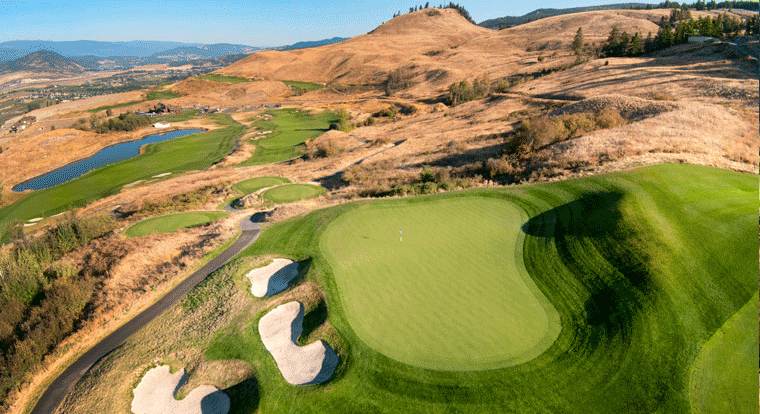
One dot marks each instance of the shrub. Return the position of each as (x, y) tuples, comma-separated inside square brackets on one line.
[(342, 123), (398, 79)]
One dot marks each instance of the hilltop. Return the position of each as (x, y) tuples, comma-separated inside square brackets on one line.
[(43, 61)]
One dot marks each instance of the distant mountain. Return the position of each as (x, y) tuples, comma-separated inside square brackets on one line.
[(187, 53), (306, 45), (95, 55), (137, 48), (509, 21), (43, 61), (10, 53)]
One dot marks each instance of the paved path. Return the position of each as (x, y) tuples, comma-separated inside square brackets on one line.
[(58, 389)]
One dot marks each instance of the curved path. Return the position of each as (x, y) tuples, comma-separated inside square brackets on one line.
[(58, 389)]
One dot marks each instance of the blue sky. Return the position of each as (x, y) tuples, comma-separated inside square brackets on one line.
[(254, 23)]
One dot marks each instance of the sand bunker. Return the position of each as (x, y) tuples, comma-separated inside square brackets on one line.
[(272, 279), (299, 365), (155, 395)]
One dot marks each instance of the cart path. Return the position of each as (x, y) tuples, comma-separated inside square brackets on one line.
[(57, 390)]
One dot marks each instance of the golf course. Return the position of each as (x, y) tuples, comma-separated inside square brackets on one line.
[(292, 192), (596, 294), (178, 155), (173, 222), (290, 128)]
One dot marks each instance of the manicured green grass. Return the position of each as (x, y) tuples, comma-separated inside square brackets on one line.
[(305, 86), (291, 128), (121, 105), (222, 78), (154, 95), (182, 116), (410, 296), (644, 267), (719, 380), (181, 154), (621, 257), (292, 192), (254, 184), (173, 222)]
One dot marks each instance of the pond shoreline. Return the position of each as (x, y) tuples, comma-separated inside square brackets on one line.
[(162, 132)]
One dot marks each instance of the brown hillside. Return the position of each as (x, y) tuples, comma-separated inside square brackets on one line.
[(367, 58), (441, 47)]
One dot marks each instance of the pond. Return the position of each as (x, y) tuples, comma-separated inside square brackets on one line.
[(108, 155)]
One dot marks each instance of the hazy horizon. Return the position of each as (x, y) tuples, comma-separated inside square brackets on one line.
[(258, 24)]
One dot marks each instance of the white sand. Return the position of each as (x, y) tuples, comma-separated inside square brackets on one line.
[(162, 175), (272, 279), (299, 365), (34, 220), (155, 395)]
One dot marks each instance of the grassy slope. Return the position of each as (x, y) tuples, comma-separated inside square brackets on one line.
[(173, 222), (622, 257), (292, 192), (291, 130), (191, 152), (452, 295), (254, 184), (719, 383), (307, 86), (222, 78)]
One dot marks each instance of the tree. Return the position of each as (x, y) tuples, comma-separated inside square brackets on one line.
[(637, 48), (578, 43), (109, 112)]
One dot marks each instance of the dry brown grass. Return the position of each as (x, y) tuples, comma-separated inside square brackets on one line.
[(151, 267)]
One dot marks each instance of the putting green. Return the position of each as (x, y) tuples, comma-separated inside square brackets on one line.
[(173, 222), (254, 184), (292, 192), (453, 294)]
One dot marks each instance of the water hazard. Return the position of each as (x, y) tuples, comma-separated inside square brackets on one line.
[(109, 155)]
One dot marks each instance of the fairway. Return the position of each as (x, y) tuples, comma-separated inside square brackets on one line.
[(453, 295), (292, 192), (254, 184), (290, 129), (173, 222), (178, 155)]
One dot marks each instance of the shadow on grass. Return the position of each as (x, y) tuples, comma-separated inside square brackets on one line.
[(244, 397), (619, 286)]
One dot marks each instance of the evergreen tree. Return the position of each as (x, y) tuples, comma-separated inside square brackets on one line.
[(577, 44), (637, 48)]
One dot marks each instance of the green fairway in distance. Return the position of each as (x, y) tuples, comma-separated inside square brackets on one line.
[(173, 222), (254, 184), (181, 154), (222, 78), (290, 129), (292, 192), (453, 294)]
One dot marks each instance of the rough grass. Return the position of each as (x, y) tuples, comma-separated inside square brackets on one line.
[(190, 152), (292, 192), (222, 78), (291, 128), (254, 184), (303, 86), (121, 105), (411, 296), (155, 95), (621, 257), (173, 222)]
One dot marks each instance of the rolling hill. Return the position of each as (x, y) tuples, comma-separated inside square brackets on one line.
[(43, 61)]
